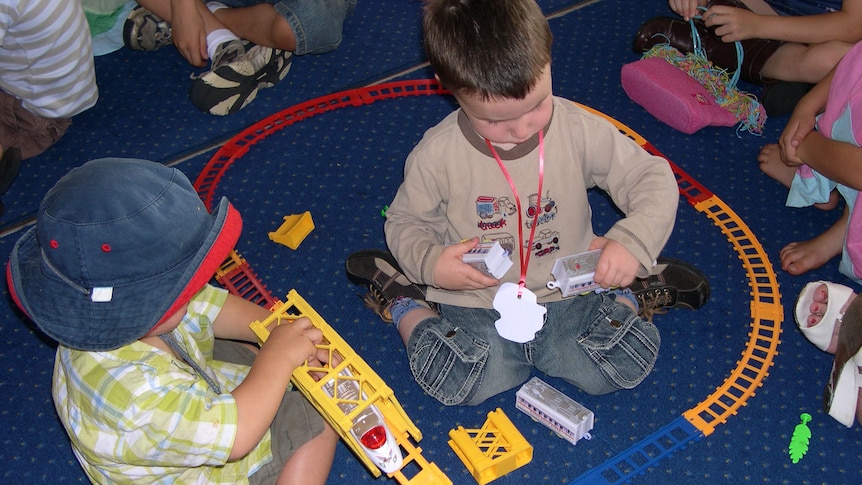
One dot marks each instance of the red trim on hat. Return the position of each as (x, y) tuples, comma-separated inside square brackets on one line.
[(224, 243), (11, 286)]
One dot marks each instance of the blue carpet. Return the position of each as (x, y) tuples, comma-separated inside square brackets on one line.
[(345, 166)]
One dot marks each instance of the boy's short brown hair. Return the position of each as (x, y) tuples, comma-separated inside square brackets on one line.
[(490, 48)]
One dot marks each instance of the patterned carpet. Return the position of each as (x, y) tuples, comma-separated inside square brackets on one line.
[(345, 166)]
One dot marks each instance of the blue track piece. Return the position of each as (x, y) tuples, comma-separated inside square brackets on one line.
[(643, 455)]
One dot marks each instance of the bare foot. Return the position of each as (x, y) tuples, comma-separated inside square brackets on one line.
[(771, 164), (833, 201), (799, 257)]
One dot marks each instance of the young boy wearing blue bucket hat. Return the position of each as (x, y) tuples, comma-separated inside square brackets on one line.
[(150, 380)]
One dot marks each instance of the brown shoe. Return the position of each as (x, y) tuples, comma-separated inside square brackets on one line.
[(677, 285), (378, 271), (677, 33)]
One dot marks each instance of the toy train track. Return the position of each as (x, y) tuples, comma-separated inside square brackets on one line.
[(767, 313), (239, 145), (759, 354)]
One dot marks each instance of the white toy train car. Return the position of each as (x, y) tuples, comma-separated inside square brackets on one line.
[(562, 414)]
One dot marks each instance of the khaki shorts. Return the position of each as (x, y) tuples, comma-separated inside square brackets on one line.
[(295, 423)]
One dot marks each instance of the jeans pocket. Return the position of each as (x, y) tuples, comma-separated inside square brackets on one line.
[(446, 362), (624, 346)]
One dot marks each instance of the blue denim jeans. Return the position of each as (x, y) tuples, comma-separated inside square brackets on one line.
[(591, 341), (804, 7), (317, 24)]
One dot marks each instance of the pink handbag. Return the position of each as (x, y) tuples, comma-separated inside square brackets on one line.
[(686, 92), (673, 96)]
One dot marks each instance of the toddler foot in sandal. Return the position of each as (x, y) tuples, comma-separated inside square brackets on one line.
[(820, 310)]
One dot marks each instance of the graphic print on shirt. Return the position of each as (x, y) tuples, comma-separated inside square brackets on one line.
[(546, 207), (545, 241), (493, 211), (506, 240)]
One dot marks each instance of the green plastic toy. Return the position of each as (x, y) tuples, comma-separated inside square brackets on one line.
[(799, 441)]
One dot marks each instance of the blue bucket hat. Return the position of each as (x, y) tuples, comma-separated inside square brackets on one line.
[(119, 246)]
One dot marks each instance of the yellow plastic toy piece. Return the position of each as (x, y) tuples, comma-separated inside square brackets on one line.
[(492, 451), (310, 380), (293, 230)]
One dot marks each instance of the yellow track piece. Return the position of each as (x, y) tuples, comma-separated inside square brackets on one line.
[(493, 450)]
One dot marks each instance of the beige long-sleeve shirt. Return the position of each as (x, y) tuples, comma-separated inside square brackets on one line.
[(453, 189)]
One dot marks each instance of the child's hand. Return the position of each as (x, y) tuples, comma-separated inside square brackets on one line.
[(686, 8), (293, 343), (730, 23), (189, 33), (617, 267), (798, 127), (452, 273), (258, 396)]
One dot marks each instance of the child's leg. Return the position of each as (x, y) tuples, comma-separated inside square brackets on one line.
[(799, 257), (259, 24), (296, 26), (804, 63), (297, 422), (195, 50), (459, 358), (771, 164), (163, 10), (303, 445), (412, 318), (597, 343), (312, 461)]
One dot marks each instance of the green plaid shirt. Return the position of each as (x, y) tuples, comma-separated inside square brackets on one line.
[(136, 415)]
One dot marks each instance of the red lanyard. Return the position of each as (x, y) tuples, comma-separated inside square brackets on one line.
[(523, 256)]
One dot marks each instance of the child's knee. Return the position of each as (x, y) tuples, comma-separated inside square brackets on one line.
[(821, 58), (317, 26), (624, 347), (448, 363)]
